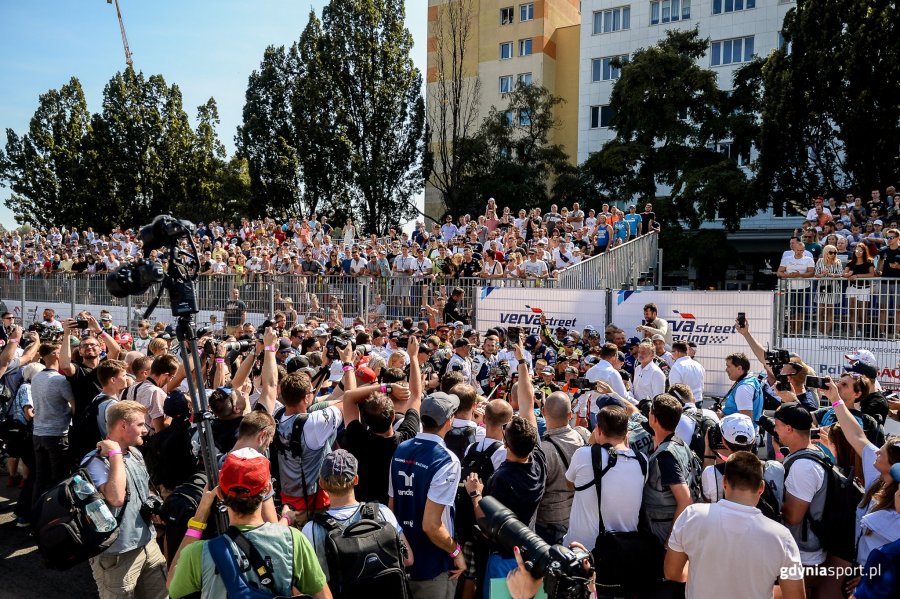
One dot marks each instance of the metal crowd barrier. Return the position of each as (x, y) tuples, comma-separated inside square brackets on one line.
[(864, 309), (626, 264)]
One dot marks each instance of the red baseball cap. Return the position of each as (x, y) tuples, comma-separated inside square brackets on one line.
[(125, 338), (365, 375), (245, 473)]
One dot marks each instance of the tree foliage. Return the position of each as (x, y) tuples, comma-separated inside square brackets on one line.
[(512, 155), (671, 122), (137, 157), (831, 118)]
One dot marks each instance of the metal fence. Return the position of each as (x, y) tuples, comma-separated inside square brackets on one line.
[(629, 263)]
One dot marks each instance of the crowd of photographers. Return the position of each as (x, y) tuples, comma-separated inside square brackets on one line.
[(495, 462)]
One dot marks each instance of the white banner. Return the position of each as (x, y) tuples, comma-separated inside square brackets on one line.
[(704, 317), (826, 356), (573, 309)]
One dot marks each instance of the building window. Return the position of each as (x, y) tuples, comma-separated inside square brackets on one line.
[(506, 50), (508, 117), (601, 117), (506, 15), (614, 19), (506, 83), (526, 12), (523, 79), (723, 6), (668, 11), (783, 44), (732, 51), (505, 152), (728, 149), (524, 118), (525, 47), (603, 70)]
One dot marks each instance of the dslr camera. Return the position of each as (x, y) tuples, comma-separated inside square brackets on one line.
[(46, 333), (562, 569)]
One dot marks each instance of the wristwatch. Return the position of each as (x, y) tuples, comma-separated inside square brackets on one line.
[(474, 494)]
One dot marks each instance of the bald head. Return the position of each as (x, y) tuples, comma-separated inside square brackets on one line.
[(497, 413), (132, 356), (557, 407)]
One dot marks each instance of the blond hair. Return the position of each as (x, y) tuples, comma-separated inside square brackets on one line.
[(123, 411)]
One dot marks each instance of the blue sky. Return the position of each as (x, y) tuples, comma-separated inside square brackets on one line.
[(207, 47)]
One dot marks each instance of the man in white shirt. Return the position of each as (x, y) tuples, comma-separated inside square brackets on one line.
[(621, 506), (649, 380), (604, 370), (687, 370), (733, 536), (654, 325), (798, 268), (533, 268)]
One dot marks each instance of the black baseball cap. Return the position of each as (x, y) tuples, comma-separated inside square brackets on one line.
[(794, 415)]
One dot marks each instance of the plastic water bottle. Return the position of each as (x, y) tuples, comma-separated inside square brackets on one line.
[(97, 510)]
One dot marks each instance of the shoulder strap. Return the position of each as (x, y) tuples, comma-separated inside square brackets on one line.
[(371, 511), (492, 449), (562, 455), (596, 459), (262, 567)]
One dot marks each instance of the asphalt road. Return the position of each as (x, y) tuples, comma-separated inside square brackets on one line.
[(22, 574)]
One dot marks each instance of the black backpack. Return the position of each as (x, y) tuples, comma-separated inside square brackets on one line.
[(364, 558), (768, 503), (458, 439), (704, 424), (65, 535), (294, 446), (836, 529), (480, 463), (85, 433)]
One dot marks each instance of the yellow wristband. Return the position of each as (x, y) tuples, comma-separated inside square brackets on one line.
[(196, 525)]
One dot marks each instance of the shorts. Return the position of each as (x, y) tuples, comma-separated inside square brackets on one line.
[(860, 294)]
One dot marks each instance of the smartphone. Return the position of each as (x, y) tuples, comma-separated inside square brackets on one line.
[(742, 320), (82, 323), (817, 382), (513, 335), (814, 434)]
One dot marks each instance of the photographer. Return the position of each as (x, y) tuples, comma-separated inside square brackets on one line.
[(519, 482), (82, 377), (522, 585)]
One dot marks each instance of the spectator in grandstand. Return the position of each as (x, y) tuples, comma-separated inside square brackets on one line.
[(797, 267), (889, 270), (829, 271)]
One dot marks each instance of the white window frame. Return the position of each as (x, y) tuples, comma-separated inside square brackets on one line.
[(611, 20), (512, 15), (729, 6), (521, 79), (526, 44), (605, 67), (509, 80), (725, 47), (669, 11), (725, 147), (526, 12), (509, 46), (598, 111)]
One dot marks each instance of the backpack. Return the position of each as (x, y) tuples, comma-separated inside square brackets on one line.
[(458, 439), (836, 530), (65, 535), (85, 433), (235, 583), (626, 563), (480, 463), (179, 507), (294, 446), (364, 558), (703, 425), (773, 493)]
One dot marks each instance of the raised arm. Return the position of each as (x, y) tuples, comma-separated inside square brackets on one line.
[(849, 426), (415, 374), (66, 366), (525, 388), (755, 347)]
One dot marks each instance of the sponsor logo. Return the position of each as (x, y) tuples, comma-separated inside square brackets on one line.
[(407, 478), (687, 327), (530, 320)]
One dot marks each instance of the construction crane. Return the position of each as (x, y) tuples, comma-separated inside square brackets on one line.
[(128, 59)]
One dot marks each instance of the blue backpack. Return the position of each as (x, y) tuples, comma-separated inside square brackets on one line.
[(235, 582)]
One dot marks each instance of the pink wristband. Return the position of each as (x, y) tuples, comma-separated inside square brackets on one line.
[(383, 388), (347, 368), (220, 360), (114, 452), (193, 533), (270, 348), (839, 402)]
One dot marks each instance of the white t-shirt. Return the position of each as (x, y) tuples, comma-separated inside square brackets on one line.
[(623, 489), (689, 372), (793, 264), (805, 478), (346, 512), (538, 268), (728, 536), (499, 455), (649, 381)]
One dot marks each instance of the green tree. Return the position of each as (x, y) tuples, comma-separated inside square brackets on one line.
[(672, 125), (831, 118), (45, 168), (378, 102), (267, 138), (511, 156)]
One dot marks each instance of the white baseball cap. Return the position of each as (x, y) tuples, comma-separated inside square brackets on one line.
[(864, 356), (738, 429)]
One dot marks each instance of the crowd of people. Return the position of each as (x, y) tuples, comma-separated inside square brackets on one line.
[(829, 264), (397, 438)]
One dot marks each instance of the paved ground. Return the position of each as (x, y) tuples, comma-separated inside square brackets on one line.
[(22, 574)]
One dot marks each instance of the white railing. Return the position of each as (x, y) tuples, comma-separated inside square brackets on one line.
[(624, 264)]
